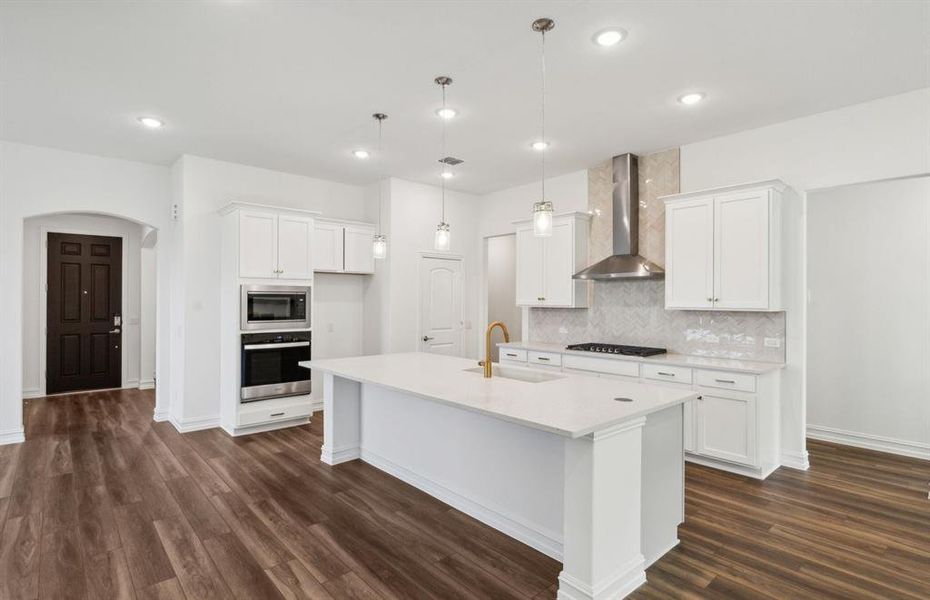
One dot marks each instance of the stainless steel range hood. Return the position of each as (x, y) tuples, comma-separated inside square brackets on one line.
[(626, 263)]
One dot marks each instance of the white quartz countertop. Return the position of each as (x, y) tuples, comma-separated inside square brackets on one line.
[(572, 406), (679, 360)]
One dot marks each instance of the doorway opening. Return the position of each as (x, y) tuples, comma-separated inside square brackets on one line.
[(88, 304), (501, 299)]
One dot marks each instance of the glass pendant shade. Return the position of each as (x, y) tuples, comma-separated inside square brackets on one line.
[(379, 246), (443, 239), (542, 218)]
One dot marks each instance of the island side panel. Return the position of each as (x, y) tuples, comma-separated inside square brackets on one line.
[(602, 551), (663, 481), (506, 475), (342, 399)]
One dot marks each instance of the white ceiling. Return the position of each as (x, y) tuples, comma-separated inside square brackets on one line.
[(291, 85)]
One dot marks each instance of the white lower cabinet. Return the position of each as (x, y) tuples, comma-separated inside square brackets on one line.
[(726, 426), (733, 425)]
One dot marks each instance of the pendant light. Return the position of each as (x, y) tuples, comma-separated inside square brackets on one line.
[(443, 240), (379, 242), (542, 208)]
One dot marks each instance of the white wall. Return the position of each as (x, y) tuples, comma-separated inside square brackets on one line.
[(498, 210), (869, 314), (501, 268), (338, 318), (206, 185), (882, 139), (34, 297), (36, 181), (414, 214)]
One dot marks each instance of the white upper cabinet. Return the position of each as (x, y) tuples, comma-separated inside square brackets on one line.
[(258, 244), (327, 246), (359, 257), (344, 247), (722, 249), (295, 247), (272, 244), (545, 265)]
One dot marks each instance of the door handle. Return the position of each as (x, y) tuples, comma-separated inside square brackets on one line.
[(114, 330), (426, 338)]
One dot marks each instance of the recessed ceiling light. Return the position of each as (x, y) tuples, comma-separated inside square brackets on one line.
[(447, 174), (151, 122), (360, 153), (692, 98), (539, 145), (609, 37), (446, 113)]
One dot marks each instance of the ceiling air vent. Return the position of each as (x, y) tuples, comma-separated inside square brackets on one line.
[(451, 161)]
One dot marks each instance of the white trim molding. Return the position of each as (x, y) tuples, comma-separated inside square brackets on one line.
[(160, 416), (620, 584), (547, 542), (147, 384), (795, 460), (31, 393), (15, 435), (870, 441), (195, 423)]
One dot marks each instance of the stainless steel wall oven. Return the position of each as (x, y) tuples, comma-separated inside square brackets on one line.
[(269, 365)]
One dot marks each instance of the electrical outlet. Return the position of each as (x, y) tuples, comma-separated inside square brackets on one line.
[(772, 342)]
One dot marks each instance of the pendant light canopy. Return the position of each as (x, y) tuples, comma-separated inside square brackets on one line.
[(443, 237), (379, 242), (542, 208)]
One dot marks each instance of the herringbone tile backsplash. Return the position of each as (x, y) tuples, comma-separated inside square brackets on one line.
[(633, 312)]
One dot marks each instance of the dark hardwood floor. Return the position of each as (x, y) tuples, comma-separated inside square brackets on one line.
[(102, 503)]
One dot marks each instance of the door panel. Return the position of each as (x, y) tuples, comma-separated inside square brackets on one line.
[(741, 270), (295, 246), (258, 245), (358, 253), (559, 265), (327, 247), (530, 290), (689, 254), (84, 298), (727, 427), (441, 306)]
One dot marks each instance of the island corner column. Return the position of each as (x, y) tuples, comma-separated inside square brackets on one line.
[(602, 540), (342, 412)]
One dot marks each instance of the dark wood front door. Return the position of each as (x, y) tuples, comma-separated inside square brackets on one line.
[(84, 317)]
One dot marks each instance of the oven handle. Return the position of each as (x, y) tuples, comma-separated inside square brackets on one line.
[(272, 346)]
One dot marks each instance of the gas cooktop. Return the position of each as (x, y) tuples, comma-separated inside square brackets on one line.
[(616, 349)]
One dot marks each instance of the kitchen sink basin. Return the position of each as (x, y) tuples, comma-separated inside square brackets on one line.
[(527, 375)]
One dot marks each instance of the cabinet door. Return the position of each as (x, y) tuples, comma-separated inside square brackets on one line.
[(258, 244), (741, 250), (726, 427), (558, 265), (327, 247), (530, 291), (295, 247), (689, 254), (358, 253)]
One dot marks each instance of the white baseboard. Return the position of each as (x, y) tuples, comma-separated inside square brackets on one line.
[(618, 585), (32, 393), (238, 431), (316, 406), (544, 541), (869, 441), (194, 424), (755, 473), (160, 415), (15, 435), (337, 457), (795, 460), (147, 384)]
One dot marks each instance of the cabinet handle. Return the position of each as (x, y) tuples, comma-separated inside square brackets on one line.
[(666, 374), (724, 381), (511, 355), (710, 299), (542, 358), (715, 299), (540, 298), (280, 414)]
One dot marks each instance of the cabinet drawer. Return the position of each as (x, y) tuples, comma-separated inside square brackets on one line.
[(666, 373), (545, 358), (729, 381), (259, 415), (601, 365), (512, 354)]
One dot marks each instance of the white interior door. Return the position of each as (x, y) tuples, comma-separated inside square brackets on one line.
[(441, 305)]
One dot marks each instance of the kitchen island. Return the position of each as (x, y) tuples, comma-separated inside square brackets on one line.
[(587, 470)]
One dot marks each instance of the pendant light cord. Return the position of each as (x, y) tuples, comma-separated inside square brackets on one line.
[(380, 172), (442, 160), (543, 114)]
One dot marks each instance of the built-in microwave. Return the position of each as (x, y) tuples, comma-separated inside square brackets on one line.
[(274, 307)]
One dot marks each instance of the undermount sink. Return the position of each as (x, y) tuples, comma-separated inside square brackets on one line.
[(527, 375)]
